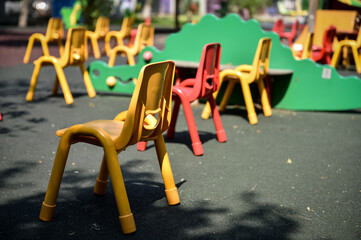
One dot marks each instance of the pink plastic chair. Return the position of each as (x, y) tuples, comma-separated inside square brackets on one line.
[(323, 54), (202, 86)]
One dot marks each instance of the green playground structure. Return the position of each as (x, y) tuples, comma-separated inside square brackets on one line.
[(304, 86)]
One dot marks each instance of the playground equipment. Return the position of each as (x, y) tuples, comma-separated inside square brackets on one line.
[(101, 29), (75, 54), (54, 33), (151, 97), (296, 84), (144, 37), (124, 32), (245, 75), (354, 46), (323, 54), (186, 91)]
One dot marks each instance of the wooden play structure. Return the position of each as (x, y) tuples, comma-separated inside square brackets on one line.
[(296, 84)]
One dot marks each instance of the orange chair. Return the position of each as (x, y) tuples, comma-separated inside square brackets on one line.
[(124, 32), (202, 86), (54, 33), (323, 54), (144, 37), (101, 29), (247, 74), (148, 116), (75, 54), (355, 47)]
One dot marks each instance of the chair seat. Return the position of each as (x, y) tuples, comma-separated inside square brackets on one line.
[(112, 127)]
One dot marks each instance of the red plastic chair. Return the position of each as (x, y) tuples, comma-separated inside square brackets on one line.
[(202, 86), (278, 27), (290, 36), (323, 54)]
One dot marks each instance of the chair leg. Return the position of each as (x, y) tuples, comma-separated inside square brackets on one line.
[(33, 82), (48, 206), (264, 98), (95, 47), (171, 128), (336, 57), (63, 83), (196, 142), (87, 81), (28, 50), (55, 86), (356, 58), (125, 215), (227, 95), (252, 117), (141, 146), (170, 188), (221, 134), (102, 179)]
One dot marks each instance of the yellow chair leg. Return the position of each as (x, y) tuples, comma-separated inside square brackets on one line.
[(125, 216), (87, 81), (336, 57), (34, 80), (48, 206), (356, 58), (55, 87), (102, 179), (227, 95), (63, 83), (170, 188), (95, 47), (252, 117), (264, 98), (28, 50)]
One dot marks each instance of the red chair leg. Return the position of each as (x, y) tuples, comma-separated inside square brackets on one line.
[(171, 128), (221, 134)]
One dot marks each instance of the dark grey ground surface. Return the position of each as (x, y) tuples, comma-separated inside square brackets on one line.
[(295, 175)]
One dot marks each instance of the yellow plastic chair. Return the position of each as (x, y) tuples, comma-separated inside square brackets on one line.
[(148, 116), (75, 54), (125, 30), (247, 74), (144, 37), (355, 47), (101, 29), (54, 33)]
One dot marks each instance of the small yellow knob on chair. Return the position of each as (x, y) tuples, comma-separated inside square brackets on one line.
[(111, 81)]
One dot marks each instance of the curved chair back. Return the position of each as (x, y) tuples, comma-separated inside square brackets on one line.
[(102, 26), (151, 103), (207, 77), (127, 26), (358, 39), (54, 30), (75, 47), (144, 37), (261, 59), (278, 27)]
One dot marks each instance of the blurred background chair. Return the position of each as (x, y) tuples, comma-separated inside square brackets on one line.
[(101, 29), (75, 54), (245, 75), (147, 117), (54, 33), (323, 54), (354, 45), (144, 37), (123, 33)]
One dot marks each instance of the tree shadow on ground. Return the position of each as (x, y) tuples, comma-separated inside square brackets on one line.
[(82, 215)]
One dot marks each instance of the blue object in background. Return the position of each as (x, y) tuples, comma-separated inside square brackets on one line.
[(58, 4)]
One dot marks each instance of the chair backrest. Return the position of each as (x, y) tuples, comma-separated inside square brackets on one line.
[(75, 47), (207, 77), (144, 37), (294, 28), (278, 26), (55, 29), (102, 26), (358, 39), (127, 26), (328, 38), (261, 58), (152, 98)]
